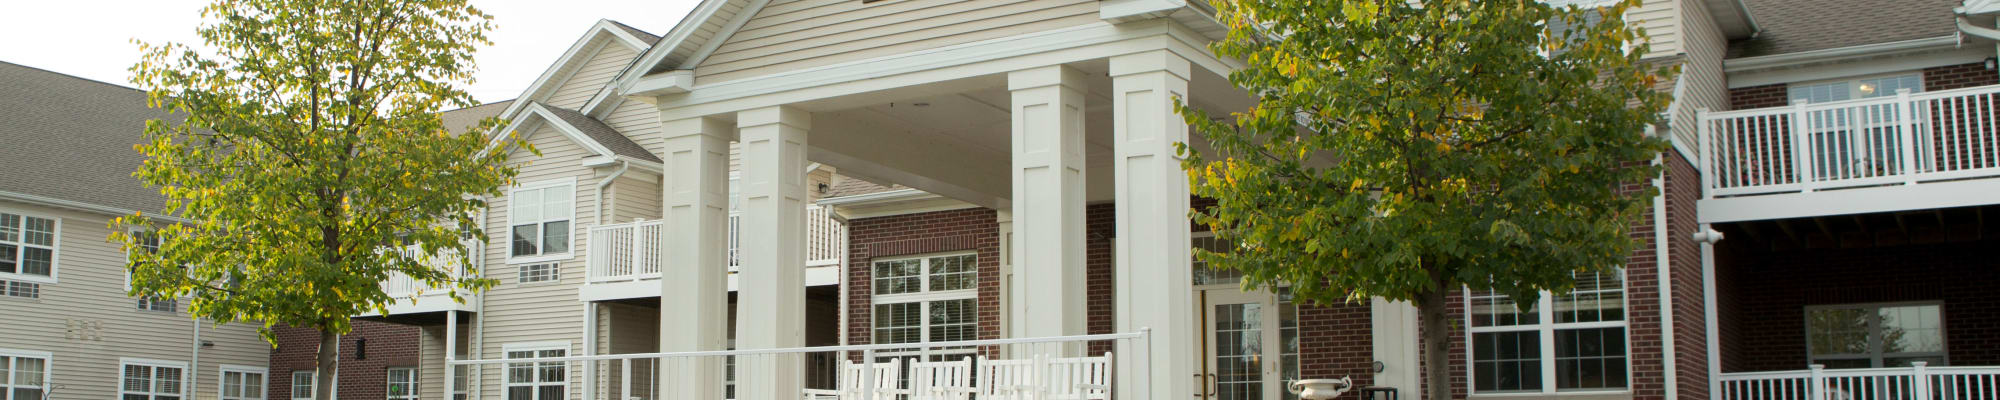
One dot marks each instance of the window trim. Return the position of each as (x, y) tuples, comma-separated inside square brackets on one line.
[(48, 368), (187, 389), (415, 383), (144, 303), (923, 297), (1854, 87), (1545, 328), (55, 249), (507, 233), (223, 370), (535, 346), (1875, 355)]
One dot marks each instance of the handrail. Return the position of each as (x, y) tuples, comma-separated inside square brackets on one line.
[(1903, 139), (630, 251), (1142, 333)]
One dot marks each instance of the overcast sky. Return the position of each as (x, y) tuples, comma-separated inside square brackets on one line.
[(93, 38)]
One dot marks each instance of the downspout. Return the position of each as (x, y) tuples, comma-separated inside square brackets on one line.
[(194, 362), (590, 309), (472, 387), (1664, 264), (622, 166), (1707, 236)]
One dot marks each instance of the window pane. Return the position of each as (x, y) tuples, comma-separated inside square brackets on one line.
[(40, 232), (898, 276), (1911, 329), (10, 228), (1507, 361), (1203, 275), (8, 256), (556, 202), (6, 364), (527, 206), (953, 320), (898, 323), (28, 371), (524, 239), (1887, 86), (37, 261), (232, 384), (168, 379), (953, 273), (1597, 297), (1837, 331), (1590, 358), (1495, 309), (138, 378), (555, 237)]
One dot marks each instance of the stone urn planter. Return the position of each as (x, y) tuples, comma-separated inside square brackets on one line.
[(1318, 389)]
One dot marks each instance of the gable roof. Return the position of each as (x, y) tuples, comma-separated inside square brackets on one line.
[(1792, 26), (69, 140), (592, 134), (459, 120), (604, 30), (693, 39), (603, 134)]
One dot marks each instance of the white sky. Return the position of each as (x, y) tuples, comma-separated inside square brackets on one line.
[(93, 38)]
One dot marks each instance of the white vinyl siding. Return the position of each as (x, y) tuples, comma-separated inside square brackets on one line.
[(542, 221), (28, 246), (150, 243), (801, 34), (1575, 342)]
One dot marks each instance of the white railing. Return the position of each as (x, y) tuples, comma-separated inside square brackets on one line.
[(626, 252), (400, 285), (1917, 382), (631, 251), (1066, 367), (1908, 138)]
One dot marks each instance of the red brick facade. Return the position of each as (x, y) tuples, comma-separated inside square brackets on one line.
[(1690, 334), (977, 230), (1757, 97), (388, 345)]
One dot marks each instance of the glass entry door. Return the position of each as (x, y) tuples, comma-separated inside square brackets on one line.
[(1250, 348)]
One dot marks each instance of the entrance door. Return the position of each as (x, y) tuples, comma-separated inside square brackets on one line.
[(1250, 345)]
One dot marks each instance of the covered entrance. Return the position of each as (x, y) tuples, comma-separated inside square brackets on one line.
[(1249, 347)]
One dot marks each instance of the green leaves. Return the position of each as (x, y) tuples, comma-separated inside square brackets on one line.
[(1401, 150), (305, 155)]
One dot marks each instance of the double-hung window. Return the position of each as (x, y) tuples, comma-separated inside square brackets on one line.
[(149, 242), (1875, 335), (926, 299), (28, 247), (402, 383), (1855, 142), (303, 384), (150, 379), (537, 380), (540, 216), (242, 383), (458, 380), (1575, 342), (24, 375)]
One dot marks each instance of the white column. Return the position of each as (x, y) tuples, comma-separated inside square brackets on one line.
[(1048, 250), (1153, 278), (771, 287), (1391, 323), (694, 304)]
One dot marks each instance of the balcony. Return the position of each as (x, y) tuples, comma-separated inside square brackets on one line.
[(624, 259), (413, 297), (1892, 153), (1906, 383)]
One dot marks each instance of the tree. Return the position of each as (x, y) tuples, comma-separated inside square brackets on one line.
[(304, 155), (1406, 149)]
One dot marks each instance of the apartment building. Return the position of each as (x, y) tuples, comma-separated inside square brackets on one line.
[(67, 328)]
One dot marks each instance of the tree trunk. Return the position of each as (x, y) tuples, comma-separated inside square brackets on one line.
[(328, 359), (1437, 344)]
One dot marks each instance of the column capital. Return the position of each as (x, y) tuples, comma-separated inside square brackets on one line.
[(1151, 61), (781, 115), (699, 126), (1048, 75)]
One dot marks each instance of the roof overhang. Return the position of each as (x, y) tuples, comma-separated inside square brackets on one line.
[(690, 41), (533, 115), (1850, 53), (893, 202), (1732, 17)]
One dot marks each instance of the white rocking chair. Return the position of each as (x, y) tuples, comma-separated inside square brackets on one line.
[(1010, 379), (941, 380), (850, 385), (1080, 378)]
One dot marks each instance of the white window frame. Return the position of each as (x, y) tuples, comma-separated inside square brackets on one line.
[(460, 381), (924, 296), (412, 393), (187, 389), (221, 379), (1854, 85), (506, 386), (513, 218), (1546, 327), (48, 370), (1875, 355), (312, 385), (144, 303), (21, 249)]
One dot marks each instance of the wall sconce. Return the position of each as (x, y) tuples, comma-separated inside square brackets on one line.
[(1381, 366), (361, 349)]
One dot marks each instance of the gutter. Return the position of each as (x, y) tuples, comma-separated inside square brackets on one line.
[(877, 197), (599, 207), (1664, 265), (1873, 50), (76, 205)]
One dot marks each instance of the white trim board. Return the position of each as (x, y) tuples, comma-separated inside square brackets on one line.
[(1849, 201), (1747, 74)]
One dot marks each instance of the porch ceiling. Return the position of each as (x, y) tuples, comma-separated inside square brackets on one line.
[(1868, 230)]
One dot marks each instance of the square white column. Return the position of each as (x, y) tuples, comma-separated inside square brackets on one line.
[(770, 307), (1153, 282), (1048, 249), (694, 303)]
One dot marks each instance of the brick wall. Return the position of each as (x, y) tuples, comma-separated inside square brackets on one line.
[(1684, 263), (1771, 289), (1959, 76), (1757, 97), (932, 232), (389, 345)]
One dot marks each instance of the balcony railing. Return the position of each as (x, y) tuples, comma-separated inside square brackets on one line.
[(1917, 382), (1908, 138), (399, 285), (1024, 368), (632, 251)]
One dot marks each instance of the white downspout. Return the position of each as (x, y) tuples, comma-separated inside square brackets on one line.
[(1664, 265), (1707, 237), (194, 363), (622, 166), (472, 386)]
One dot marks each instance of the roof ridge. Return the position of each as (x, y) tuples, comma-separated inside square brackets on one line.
[(66, 75)]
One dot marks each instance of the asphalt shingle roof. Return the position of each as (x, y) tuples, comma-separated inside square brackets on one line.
[(72, 139), (603, 134), (851, 186), (465, 118), (649, 38), (1791, 26)]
